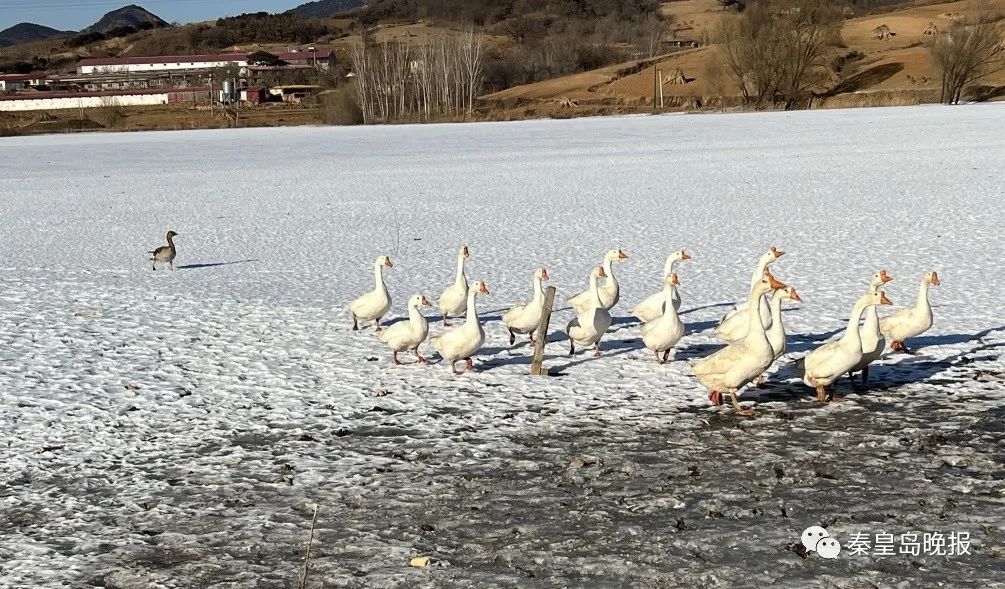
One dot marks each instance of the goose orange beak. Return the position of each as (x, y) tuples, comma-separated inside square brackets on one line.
[(777, 252), (465, 252), (388, 263), (544, 274), (426, 302), (601, 274), (684, 256), (795, 296), (775, 284), (884, 276), (883, 300), (674, 279), (935, 279), (622, 255), (484, 289)]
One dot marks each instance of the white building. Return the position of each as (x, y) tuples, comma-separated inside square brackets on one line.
[(109, 65), (16, 82), (65, 100)]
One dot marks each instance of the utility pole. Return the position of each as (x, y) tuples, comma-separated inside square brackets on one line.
[(656, 80)]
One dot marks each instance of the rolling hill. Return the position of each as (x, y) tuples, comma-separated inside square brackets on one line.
[(325, 8), (133, 16), (27, 32)]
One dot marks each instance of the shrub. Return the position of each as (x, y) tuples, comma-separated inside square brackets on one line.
[(339, 107)]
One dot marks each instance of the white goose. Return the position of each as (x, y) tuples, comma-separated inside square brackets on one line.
[(525, 319), (463, 341), (912, 321), (454, 298), (610, 292), (733, 367), (827, 363), (652, 308), (663, 333), (374, 304), (590, 326), (408, 335), (873, 341), (776, 333), (733, 326)]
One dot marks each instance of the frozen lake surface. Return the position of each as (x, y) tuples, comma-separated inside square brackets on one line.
[(165, 429)]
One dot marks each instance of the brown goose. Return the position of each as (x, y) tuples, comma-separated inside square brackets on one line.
[(165, 253)]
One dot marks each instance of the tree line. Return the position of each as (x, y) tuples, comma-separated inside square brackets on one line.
[(396, 81)]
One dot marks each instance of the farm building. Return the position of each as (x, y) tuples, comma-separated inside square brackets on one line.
[(64, 100), (253, 95), (108, 65), (319, 58), (16, 82), (294, 93)]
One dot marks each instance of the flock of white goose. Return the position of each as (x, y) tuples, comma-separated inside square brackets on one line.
[(753, 331)]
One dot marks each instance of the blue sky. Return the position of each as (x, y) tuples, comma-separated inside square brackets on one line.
[(77, 14)]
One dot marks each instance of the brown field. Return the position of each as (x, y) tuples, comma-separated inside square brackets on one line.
[(896, 70), (152, 118)]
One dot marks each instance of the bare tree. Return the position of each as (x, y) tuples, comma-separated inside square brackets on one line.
[(396, 81), (775, 51), (810, 25), (470, 49), (361, 78), (752, 49), (651, 30), (970, 50)]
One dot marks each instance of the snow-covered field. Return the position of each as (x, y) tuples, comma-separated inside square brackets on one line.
[(176, 429)]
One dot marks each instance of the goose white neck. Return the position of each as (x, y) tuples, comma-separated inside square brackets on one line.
[(538, 291), (460, 269), (378, 277), (472, 316), (668, 308), (414, 315), (609, 268), (922, 302), (668, 268), (754, 324), (851, 333), (776, 307), (762, 265), (595, 290)]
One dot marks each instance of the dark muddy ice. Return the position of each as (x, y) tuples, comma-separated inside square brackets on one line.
[(627, 495)]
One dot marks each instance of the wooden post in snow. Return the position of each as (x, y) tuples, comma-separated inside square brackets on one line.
[(659, 77), (542, 334), (656, 81)]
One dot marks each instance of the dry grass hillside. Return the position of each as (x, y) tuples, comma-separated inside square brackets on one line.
[(895, 68)]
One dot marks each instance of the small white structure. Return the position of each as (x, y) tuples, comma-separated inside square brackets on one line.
[(63, 100), (108, 65), (15, 82)]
